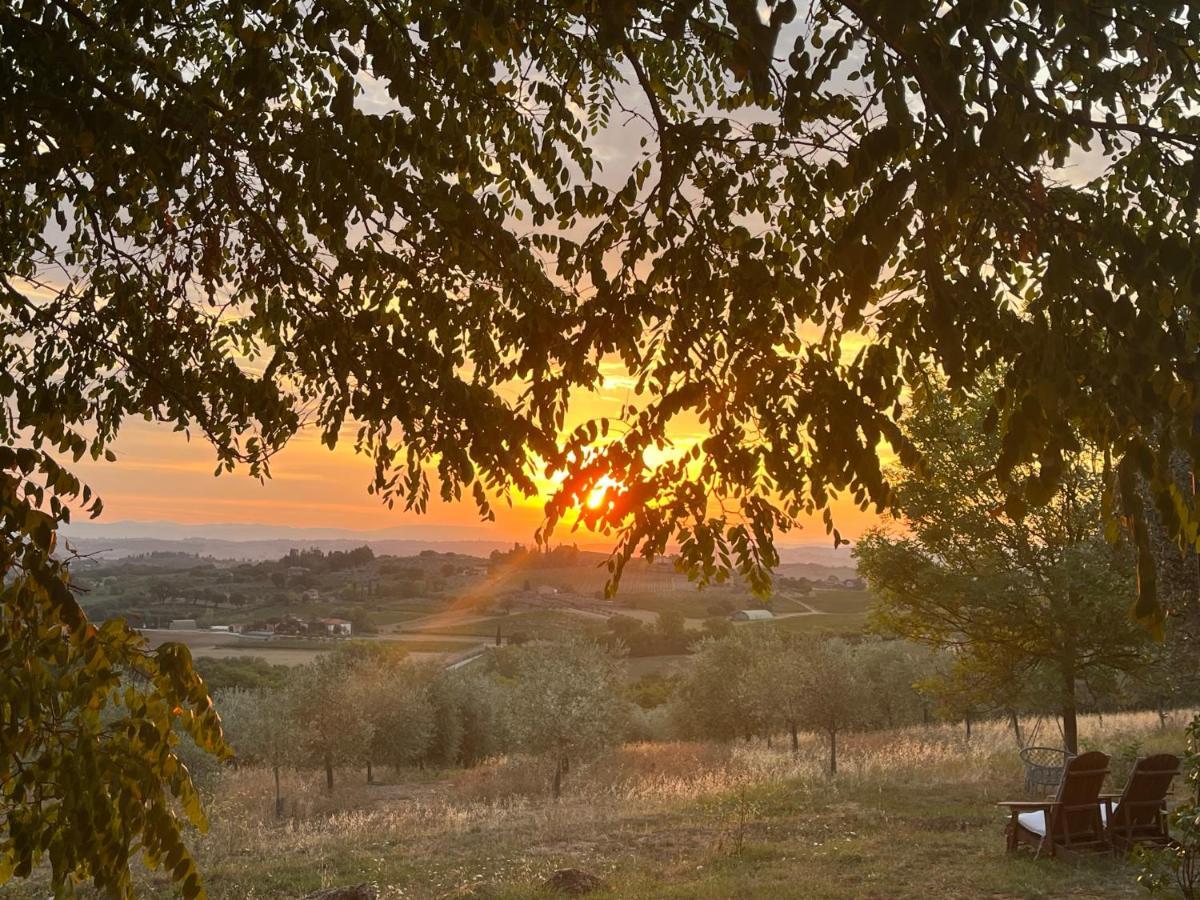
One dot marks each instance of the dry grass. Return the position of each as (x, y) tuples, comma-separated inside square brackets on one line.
[(910, 814)]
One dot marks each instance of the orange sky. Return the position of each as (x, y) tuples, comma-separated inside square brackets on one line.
[(160, 476)]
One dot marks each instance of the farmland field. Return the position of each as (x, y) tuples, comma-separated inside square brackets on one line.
[(911, 816), (839, 600), (832, 623)]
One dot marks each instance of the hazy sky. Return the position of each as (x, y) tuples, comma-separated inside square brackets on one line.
[(160, 475)]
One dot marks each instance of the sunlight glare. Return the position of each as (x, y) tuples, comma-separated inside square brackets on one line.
[(596, 498)]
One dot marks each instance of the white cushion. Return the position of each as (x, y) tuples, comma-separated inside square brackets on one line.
[(1036, 821), (1033, 821)]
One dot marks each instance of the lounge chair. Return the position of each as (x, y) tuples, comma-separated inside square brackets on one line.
[(1073, 820), (1138, 815)]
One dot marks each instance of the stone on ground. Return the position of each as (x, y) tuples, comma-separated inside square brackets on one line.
[(363, 891), (574, 882)]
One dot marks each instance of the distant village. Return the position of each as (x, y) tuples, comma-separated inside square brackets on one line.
[(541, 596), (287, 626)]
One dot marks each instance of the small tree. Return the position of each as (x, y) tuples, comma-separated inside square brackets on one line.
[(261, 727), (331, 713), (1024, 594), (395, 702), (716, 699), (466, 717), (566, 702), (776, 683), (891, 672), (671, 626), (833, 696)]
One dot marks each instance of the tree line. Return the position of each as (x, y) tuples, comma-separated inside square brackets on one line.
[(368, 706)]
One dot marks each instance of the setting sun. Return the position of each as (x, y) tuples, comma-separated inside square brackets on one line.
[(598, 494)]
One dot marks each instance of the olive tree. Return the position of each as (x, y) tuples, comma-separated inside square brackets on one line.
[(394, 700), (261, 726), (717, 699), (895, 674), (566, 702), (334, 727), (776, 683), (835, 697), (755, 680), (468, 710)]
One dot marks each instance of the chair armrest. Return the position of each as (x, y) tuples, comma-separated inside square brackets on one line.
[(1027, 804)]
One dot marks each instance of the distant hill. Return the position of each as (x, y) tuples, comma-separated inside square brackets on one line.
[(241, 531), (114, 540), (254, 550)]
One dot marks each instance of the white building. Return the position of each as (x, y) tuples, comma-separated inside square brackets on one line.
[(751, 615), (336, 627)]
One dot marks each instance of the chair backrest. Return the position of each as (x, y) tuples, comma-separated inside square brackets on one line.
[(1142, 800), (1077, 817)]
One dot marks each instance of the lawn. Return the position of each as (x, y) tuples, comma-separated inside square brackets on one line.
[(910, 815), (839, 600), (691, 604), (834, 623), (539, 623)]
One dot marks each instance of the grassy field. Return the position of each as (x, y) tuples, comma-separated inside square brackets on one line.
[(539, 623), (833, 623), (911, 815), (839, 600), (588, 578)]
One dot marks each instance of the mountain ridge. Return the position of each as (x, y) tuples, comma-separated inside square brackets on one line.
[(256, 542)]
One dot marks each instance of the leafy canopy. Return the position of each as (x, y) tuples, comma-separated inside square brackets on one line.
[(1023, 597), (245, 217), (401, 224)]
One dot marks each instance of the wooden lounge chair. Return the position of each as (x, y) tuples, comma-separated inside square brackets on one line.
[(1072, 820), (1138, 815)]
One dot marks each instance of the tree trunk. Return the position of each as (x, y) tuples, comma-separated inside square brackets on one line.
[(370, 774), (558, 774), (1015, 721), (1070, 724), (795, 740), (967, 723), (328, 773), (833, 753), (278, 796)]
